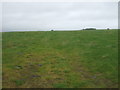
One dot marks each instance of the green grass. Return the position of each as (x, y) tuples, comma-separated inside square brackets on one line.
[(60, 59), (18, 82)]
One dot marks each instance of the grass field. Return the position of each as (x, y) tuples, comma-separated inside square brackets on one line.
[(60, 59)]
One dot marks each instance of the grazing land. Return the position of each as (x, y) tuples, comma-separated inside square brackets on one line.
[(60, 59)]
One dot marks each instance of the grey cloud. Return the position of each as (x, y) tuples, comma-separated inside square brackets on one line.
[(0, 17), (47, 16)]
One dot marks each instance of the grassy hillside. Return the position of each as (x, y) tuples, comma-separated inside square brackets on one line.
[(60, 59)]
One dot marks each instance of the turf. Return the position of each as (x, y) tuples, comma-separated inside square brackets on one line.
[(60, 59)]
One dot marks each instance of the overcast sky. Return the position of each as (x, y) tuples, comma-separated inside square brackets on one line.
[(59, 15)]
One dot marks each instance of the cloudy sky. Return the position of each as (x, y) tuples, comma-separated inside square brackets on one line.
[(59, 16)]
